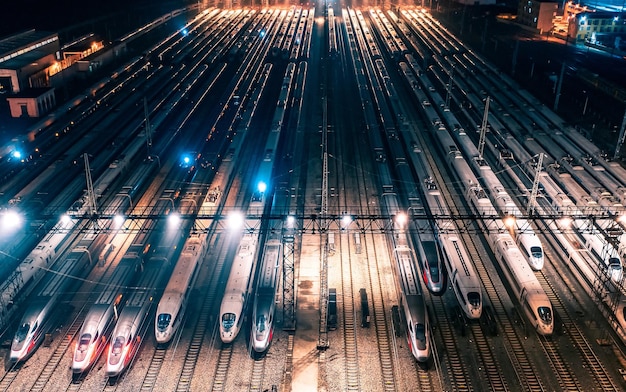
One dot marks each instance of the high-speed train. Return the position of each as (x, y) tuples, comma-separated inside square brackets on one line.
[(264, 298), (171, 309), (128, 332), (100, 319), (526, 238), (526, 288), (41, 313), (31, 269), (238, 286)]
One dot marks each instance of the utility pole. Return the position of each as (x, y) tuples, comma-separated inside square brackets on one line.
[(620, 139), (449, 88), (533, 194), (483, 130), (148, 127), (91, 195)]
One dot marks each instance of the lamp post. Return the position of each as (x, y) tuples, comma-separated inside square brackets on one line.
[(586, 102)]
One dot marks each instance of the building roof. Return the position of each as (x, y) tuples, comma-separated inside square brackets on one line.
[(602, 15), (81, 44), (21, 44)]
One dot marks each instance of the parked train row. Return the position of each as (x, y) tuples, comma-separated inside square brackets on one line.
[(470, 64), (523, 282), (412, 297), (294, 37), (252, 247), (47, 252), (594, 180)]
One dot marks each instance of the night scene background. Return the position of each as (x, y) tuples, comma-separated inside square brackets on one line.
[(354, 195)]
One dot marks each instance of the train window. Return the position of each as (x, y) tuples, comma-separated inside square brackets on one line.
[(84, 342), (228, 320), (545, 313), (118, 345), (163, 321), (473, 298), (420, 336), (22, 331), (536, 251), (260, 323)]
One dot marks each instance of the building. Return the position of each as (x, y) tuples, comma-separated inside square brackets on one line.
[(23, 55), (33, 102), (537, 14), (599, 28)]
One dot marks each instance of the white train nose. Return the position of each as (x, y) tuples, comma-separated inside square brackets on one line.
[(114, 368), (163, 337)]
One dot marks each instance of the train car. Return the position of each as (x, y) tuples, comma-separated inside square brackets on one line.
[(463, 277), (601, 249), (528, 292), (99, 320), (42, 310), (533, 301), (264, 300), (413, 306), (130, 327), (30, 271), (237, 289), (171, 309)]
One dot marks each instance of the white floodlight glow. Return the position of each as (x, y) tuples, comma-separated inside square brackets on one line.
[(346, 220), (118, 221), (11, 220), (65, 219), (261, 186), (235, 220), (173, 220), (565, 222), (16, 154), (401, 218), (509, 221), (291, 221)]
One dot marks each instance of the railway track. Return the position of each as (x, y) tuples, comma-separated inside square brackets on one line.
[(567, 378), (381, 321), (460, 377), (349, 326)]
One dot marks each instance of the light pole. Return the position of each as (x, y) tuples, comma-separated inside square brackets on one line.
[(586, 102)]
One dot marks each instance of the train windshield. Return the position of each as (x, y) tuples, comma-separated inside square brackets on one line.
[(22, 332), (118, 345), (545, 313), (615, 264), (473, 298), (536, 252), (83, 344), (433, 261), (163, 321), (261, 323), (420, 336), (228, 320)]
